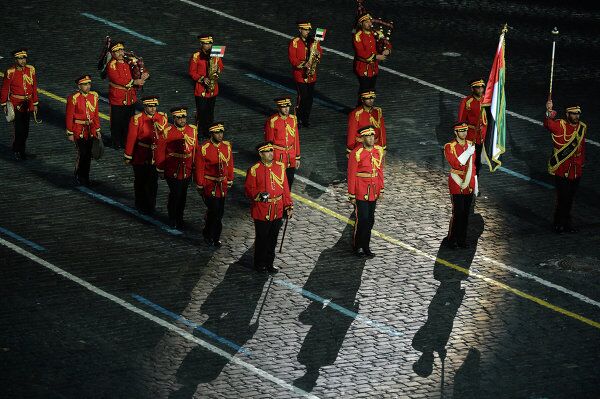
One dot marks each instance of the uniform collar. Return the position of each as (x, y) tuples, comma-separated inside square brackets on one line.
[(215, 144), (267, 165)]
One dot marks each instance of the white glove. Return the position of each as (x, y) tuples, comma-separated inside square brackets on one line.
[(464, 157)]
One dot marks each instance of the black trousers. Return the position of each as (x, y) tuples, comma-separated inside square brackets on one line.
[(565, 193), (461, 204), (478, 150), (215, 208), (290, 173), (365, 219), (119, 124), (177, 198), (21, 131), (145, 185), (205, 113), (305, 101), (365, 84), (265, 242), (84, 158)]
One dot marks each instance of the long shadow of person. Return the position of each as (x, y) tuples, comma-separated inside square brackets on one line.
[(435, 333), (335, 279), (467, 379), (230, 308)]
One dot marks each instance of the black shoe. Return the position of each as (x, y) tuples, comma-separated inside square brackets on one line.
[(208, 241), (358, 252), (180, 225), (217, 243), (558, 229), (369, 253), (18, 156), (260, 269), (272, 269)]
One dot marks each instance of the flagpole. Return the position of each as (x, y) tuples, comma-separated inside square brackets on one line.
[(554, 35)]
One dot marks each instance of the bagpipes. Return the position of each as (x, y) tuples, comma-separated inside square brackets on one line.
[(136, 64), (381, 29)]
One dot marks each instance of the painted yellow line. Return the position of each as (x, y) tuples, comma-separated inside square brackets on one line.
[(404, 245), (444, 262)]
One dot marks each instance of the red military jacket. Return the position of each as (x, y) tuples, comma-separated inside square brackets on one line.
[(175, 151), (562, 133), (199, 69), (273, 180), (470, 111), (214, 168), (365, 173), (142, 137), (120, 87), (298, 54), (365, 50), (359, 118), (82, 115), (283, 133), (462, 177), (19, 86)]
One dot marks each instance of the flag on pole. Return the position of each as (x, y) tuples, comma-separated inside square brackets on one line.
[(217, 51), (494, 103), (320, 34)]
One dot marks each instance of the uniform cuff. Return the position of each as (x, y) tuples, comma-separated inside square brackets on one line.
[(129, 84), (160, 170), (2, 104), (69, 133), (128, 157), (371, 58), (36, 103)]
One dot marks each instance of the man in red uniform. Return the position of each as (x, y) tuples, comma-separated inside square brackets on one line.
[(470, 111), (175, 150), (214, 177), (566, 162), (121, 94), (365, 186), (266, 186), (281, 129), (142, 137), (19, 87), (366, 57), (83, 125), (362, 116), (204, 71), (299, 55), (462, 183)]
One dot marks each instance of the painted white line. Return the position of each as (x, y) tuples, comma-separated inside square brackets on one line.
[(317, 185), (104, 99), (351, 57), (122, 28), (541, 281), (157, 320)]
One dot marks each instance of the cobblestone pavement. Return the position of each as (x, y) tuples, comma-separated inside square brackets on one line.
[(157, 314)]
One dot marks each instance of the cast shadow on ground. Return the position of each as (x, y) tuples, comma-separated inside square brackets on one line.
[(230, 308), (336, 277), (433, 336)]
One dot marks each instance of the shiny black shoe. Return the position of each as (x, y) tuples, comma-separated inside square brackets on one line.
[(18, 156), (358, 252), (272, 269), (217, 243), (208, 241), (558, 229), (369, 253), (571, 230)]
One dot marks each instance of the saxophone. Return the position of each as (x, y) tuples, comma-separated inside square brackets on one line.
[(213, 73), (313, 60)]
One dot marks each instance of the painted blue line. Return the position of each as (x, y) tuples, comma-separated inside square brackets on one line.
[(189, 323), (346, 312), (127, 209), (22, 239), (324, 103), (122, 28), (525, 177)]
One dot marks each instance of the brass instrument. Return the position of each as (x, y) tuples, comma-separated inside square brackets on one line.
[(213, 73), (314, 57)]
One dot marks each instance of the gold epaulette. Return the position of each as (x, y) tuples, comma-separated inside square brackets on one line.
[(272, 120), (75, 95), (295, 42), (136, 118), (113, 64), (94, 93), (357, 36), (358, 152), (31, 67), (468, 103), (253, 169), (204, 147), (227, 143), (196, 56)]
